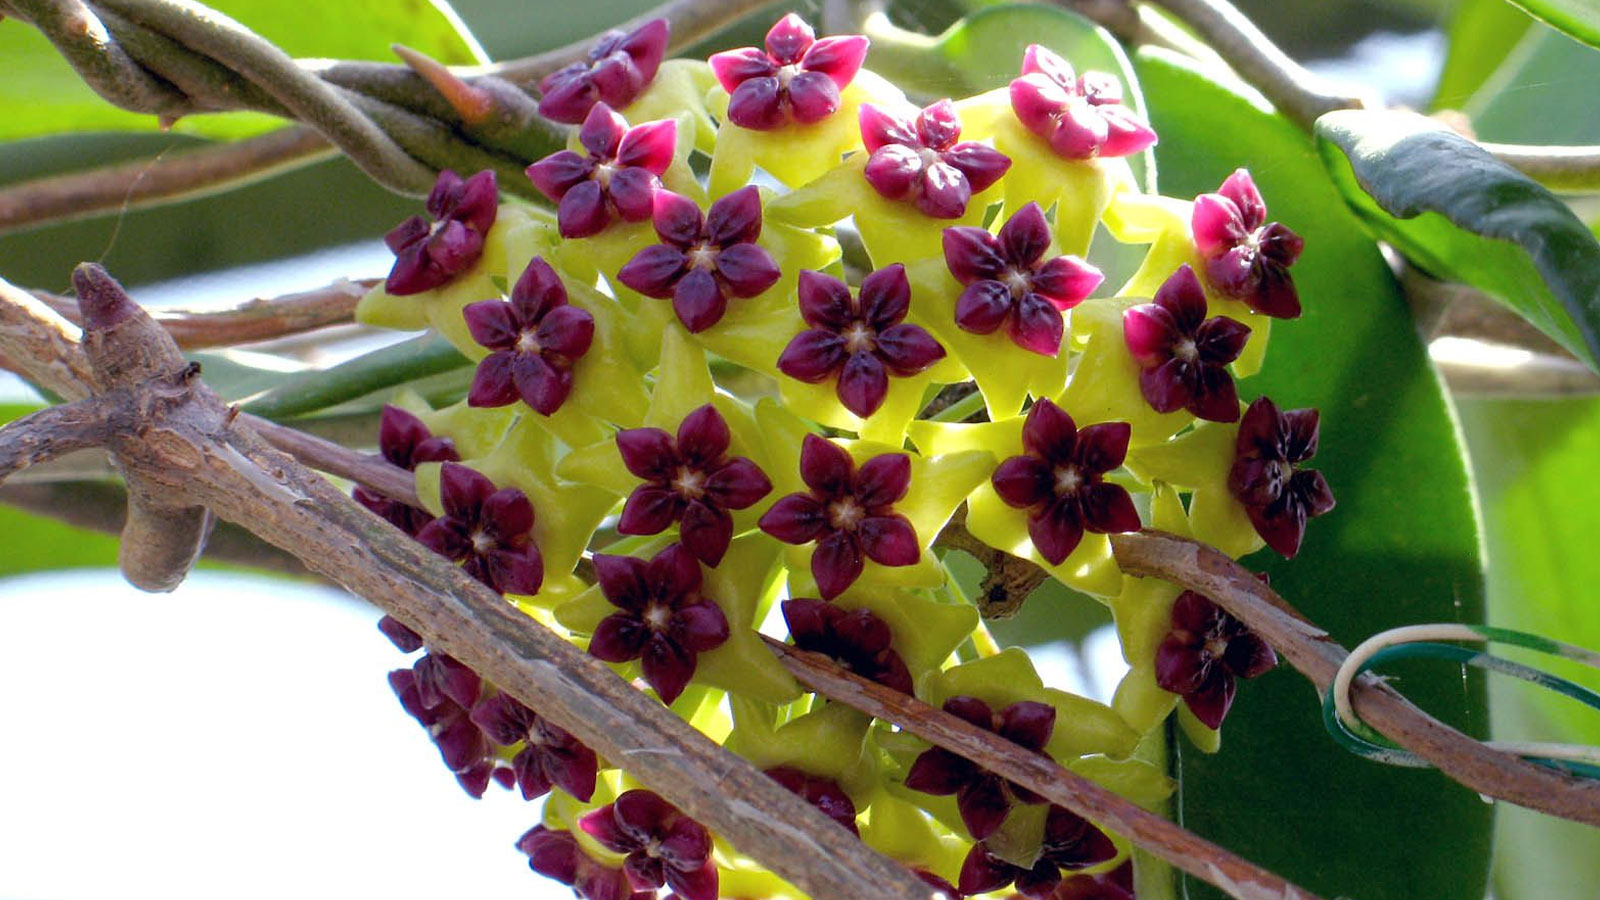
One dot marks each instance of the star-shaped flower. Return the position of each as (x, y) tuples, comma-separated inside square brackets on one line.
[(925, 162), (1080, 117), (983, 798), (690, 481), (614, 71), (549, 756), (662, 617), (849, 513), (557, 855), (823, 793), (1247, 258), (618, 178), (1204, 652), (662, 845), (1060, 480), (1184, 355), (438, 692), (1116, 884), (1009, 282), (703, 259), (535, 339), (859, 341), (796, 78), (1266, 477), (487, 530), (427, 256), (404, 441), (856, 639), (1070, 843)]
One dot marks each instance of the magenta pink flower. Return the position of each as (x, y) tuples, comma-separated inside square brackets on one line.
[(1247, 258), (860, 342), (1183, 355), (616, 180), (1080, 118), (489, 531), (536, 339), (1204, 652), (662, 617), (615, 71), (857, 640), (404, 441), (848, 513), (703, 260), (663, 846), (1070, 843), (797, 78), (557, 855), (983, 798), (1060, 480), (923, 160), (823, 793), (1009, 282), (549, 756), (1266, 477), (690, 481), (427, 256)]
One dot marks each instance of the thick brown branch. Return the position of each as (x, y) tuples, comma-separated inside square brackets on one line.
[(56, 430)]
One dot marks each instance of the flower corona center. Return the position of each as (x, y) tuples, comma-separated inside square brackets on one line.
[(658, 616), (1018, 281), (1216, 647), (481, 542), (858, 338), (528, 342), (603, 174), (846, 514), (703, 257), (1068, 480), (786, 74), (691, 483), (1185, 350)]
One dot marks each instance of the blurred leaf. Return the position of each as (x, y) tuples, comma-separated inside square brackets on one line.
[(41, 94), (1462, 215), (1579, 18), (1482, 34), (310, 391), (1530, 97), (1534, 461), (1400, 548)]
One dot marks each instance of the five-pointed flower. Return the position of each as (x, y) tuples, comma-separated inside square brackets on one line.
[(823, 793), (1183, 354), (796, 78), (662, 619), (615, 70), (1203, 654), (404, 441), (557, 855), (1247, 258), (848, 512), (857, 640), (1116, 884), (1059, 480), (1009, 282), (550, 755), (438, 692), (617, 179), (925, 162), (536, 339), (1080, 117), (427, 256), (663, 846), (487, 530), (703, 259), (983, 798), (1070, 843), (860, 341), (1277, 494), (690, 481)]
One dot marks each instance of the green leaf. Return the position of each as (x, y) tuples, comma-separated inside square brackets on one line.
[(306, 392), (1579, 18), (41, 94), (1534, 462), (1465, 216), (1401, 547), (1529, 97), (1482, 34)]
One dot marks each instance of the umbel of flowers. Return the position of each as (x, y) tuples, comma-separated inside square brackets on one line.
[(690, 420)]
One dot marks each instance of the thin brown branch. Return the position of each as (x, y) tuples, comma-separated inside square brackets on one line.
[(1037, 772), (373, 472), (56, 430), (1492, 773)]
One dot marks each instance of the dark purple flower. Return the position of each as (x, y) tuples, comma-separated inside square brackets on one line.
[(557, 855), (1203, 654), (404, 441), (663, 620), (702, 260), (1277, 494), (405, 639), (1116, 884), (1247, 258), (615, 71), (848, 512), (431, 691), (823, 793), (1182, 354), (983, 798), (617, 180), (488, 530), (939, 884), (1070, 843), (797, 78), (663, 846), (857, 640), (1080, 118), (1009, 282), (536, 339), (690, 481), (1059, 480), (861, 342), (427, 256), (923, 161), (550, 755)]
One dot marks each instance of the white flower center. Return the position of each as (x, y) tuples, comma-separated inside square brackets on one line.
[(1068, 480), (1185, 350), (528, 342), (858, 338), (703, 257), (658, 616), (603, 173), (481, 542), (786, 74), (1018, 281), (691, 483), (845, 514)]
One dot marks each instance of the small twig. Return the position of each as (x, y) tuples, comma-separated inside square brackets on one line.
[(1040, 774), (1558, 168), (1007, 579), (57, 430), (104, 66), (372, 472)]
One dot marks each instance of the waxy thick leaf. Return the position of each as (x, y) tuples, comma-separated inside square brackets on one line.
[(1579, 18), (1482, 35)]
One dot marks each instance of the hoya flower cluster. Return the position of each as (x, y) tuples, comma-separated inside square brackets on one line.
[(691, 418)]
